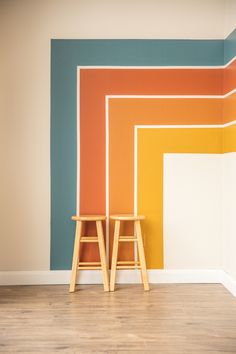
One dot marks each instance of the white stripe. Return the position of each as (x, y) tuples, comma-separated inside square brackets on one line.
[(107, 97), (107, 177), (151, 67), (78, 145), (135, 168), (165, 96), (228, 124), (229, 93), (228, 63), (136, 127), (173, 96), (135, 186), (91, 67), (228, 34), (184, 126)]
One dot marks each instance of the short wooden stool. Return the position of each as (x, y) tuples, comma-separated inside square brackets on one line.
[(76, 264), (141, 264)]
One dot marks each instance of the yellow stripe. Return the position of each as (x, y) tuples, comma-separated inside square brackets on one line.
[(229, 138), (152, 144)]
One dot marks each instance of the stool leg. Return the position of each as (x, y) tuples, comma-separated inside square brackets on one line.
[(102, 252), (75, 261), (141, 255), (114, 255)]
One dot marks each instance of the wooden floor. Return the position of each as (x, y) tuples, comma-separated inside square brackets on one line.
[(178, 319)]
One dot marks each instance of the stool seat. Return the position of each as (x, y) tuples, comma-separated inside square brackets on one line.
[(88, 217), (127, 217)]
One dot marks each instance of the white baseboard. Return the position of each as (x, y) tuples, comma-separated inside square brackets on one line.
[(184, 276), (95, 277), (229, 283)]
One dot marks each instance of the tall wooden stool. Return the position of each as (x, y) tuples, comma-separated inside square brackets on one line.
[(141, 264), (76, 264)]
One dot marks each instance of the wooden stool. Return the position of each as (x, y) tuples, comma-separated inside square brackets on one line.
[(141, 264), (78, 239)]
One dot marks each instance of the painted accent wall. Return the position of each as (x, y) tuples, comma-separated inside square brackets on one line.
[(113, 103)]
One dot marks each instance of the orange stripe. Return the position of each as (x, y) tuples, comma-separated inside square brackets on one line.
[(94, 85), (230, 77), (123, 115), (229, 112)]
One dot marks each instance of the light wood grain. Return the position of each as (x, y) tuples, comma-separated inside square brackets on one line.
[(89, 263), (102, 252), (75, 260), (127, 217), (127, 239), (89, 239), (114, 255), (141, 255), (169, 319), (88, 217)]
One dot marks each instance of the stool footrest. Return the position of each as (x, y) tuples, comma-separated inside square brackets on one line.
[(89, 239), (127, 239), (89, 263), (128, 267), (89, 267), (128, 263)]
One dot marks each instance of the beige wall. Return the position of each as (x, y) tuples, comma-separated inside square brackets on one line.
[(230, 16), (26, 27)]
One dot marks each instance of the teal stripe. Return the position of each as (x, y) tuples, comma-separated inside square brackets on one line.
[(66, 55), (63, 157), (230, 47), (139, 52)]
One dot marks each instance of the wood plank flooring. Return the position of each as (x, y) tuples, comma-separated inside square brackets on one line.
[(176, 319)]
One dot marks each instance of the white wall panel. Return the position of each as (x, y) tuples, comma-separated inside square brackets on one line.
[(192, 211), (229, 214)]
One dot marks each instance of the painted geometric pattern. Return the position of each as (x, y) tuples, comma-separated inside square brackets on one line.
[(128, 118)]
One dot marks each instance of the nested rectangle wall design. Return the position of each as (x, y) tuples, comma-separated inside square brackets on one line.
[(136, 101)]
